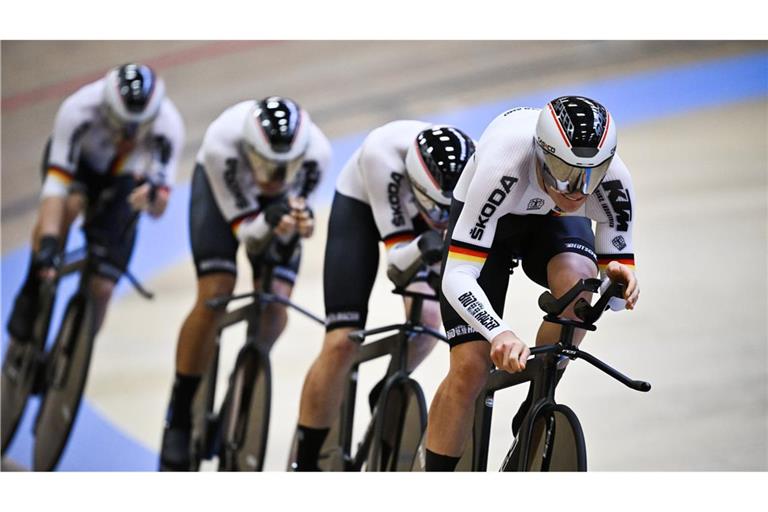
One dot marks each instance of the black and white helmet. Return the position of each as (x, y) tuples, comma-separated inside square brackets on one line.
[(433, 164), (576, 137), (133, 95), (275, 139)]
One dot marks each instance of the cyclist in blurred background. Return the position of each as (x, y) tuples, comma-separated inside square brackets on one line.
[(538, 179), (121, 125), (257, 163), (396, 188)]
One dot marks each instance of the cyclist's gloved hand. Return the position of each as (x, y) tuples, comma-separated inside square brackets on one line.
[(278, 217), (304, 216), (431, 247), (48, 257)]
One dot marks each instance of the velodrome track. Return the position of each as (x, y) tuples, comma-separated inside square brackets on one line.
[(692, 128)]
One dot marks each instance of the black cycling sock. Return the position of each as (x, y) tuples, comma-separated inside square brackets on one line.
[(310, 442), (436, 462), (180, 408), (523, 410)]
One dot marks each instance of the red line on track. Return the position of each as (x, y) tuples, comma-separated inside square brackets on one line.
[(160, 63)]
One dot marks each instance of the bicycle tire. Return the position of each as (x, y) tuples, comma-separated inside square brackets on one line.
[(553, 441), (401, 420), (245, 416), (17, 381), (66, 375)]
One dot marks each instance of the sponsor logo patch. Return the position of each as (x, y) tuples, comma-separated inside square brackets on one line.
[(620, 203), (477, 309), (393, 196), (491, 204), (343, 316), (459, 330), (535, 204), (230, 180), (619, 242)]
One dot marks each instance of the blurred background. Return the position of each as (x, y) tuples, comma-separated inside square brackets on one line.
[(693, 128)]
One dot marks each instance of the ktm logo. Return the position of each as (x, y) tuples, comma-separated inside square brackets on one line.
[(491, 204), (230, 180), (620, 202)]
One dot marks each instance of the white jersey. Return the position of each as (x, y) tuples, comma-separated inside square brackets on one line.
[(375, 174), (501, 179), (226, 167), (81, 136)]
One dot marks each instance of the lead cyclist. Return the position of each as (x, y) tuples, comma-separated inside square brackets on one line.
[(538, 179)]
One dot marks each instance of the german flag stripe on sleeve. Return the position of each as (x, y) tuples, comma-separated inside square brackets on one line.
[(467, 252), (60, 174), (398, 238), (625, 259), (235, 224)]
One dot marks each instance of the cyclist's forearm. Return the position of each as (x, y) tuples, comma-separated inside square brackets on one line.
[(468, 299), (52, 210)]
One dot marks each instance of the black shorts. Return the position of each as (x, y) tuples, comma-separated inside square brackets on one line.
[(352, 261), (107, 216), (532, 240), (214, 246)]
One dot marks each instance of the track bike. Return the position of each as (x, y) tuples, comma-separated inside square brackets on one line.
[(399, 413), (550, 437), (60, 374)]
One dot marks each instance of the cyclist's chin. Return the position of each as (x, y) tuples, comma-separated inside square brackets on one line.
[(568, 203), (271, 188)]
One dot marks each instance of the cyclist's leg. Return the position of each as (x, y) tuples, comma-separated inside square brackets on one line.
[(421, 346), (274, 316), (351, 262), (560, 253), (214, 248), (451, 412)]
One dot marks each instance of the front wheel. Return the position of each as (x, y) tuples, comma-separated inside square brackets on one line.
[(245, 415), (549, 440), (66, 374), (401, 419)]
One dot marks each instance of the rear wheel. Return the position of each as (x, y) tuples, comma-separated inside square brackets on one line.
[(553, 441), (66, 374), (401, 418), (245, 416)]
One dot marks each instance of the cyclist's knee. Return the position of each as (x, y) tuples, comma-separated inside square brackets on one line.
[(214, 285), (338, 348), (565, 269), (468, 371)]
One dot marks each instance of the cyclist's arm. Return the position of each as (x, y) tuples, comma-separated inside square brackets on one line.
[(69, 126), (612, 206), (168, 141), (473, 236), (317, 161)]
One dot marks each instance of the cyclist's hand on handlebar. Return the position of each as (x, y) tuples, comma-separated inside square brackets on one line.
[(622, 273), (431, 246), (509, 353), (302, 213), (278, 216), (47, 258)]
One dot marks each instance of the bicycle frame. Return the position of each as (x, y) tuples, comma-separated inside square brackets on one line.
[(396, 346)]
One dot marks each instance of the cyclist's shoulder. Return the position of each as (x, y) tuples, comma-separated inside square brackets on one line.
[(82, 106)]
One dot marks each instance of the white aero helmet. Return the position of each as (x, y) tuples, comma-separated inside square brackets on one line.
[(275, 139), (133, 94), (433, 164), (576, 137)]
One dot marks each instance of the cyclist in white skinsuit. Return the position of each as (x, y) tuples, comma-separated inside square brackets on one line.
[(537, 180), (258, 163), (112, 129), (396, 189)]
